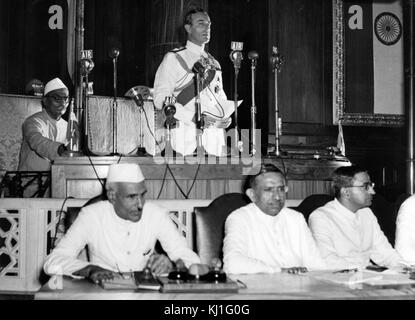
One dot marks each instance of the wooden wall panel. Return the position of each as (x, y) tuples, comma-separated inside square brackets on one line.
[(119, 24), (299, 29), (4, 45)]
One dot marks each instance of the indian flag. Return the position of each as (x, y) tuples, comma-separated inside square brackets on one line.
[(374, 68)]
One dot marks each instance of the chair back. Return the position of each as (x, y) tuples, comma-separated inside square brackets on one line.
[(312, 202), (386, 213), (209, 222)]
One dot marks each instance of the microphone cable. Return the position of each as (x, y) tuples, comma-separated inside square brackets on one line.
[(59, 222), (194, 181), (162, 184), (167, 165), (96, 173)]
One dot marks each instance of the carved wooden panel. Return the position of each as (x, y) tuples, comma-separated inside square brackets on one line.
[(28, 228)]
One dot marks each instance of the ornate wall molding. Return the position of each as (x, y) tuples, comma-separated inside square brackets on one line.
[(339, 105)]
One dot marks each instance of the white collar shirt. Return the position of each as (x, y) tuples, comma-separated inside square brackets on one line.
[(405, 230), (258, 243), (117, 244), (349, 240)]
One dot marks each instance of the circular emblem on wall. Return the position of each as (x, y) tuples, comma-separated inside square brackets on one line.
[(388, 28)]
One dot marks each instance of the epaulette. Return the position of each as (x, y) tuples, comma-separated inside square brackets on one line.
[(177, 49)]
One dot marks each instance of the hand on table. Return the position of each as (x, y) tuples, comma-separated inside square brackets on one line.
[(95, 273), (159, 264)]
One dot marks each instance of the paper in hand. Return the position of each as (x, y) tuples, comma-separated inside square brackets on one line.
[(225, 109)]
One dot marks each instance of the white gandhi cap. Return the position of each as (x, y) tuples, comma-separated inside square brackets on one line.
[(54, 84), (125, 172)]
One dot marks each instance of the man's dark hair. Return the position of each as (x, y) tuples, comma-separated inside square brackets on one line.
[(188, 16), (264, 168), (343, 177)]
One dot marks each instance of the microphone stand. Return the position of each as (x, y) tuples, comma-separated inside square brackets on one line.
[(236, 58), (73, 143), (86, 67), (140, 94), (253, 56), (114, 108), (277, 61), (169, 111), (199, 125)]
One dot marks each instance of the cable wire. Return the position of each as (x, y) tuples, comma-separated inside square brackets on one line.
[(167, 165), (59, 222), (96, 173)]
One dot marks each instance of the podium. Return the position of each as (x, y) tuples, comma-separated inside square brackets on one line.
[(133, 130)]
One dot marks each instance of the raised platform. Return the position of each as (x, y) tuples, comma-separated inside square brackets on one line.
[(199, 178)]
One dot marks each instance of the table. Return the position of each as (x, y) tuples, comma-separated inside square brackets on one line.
[(278, 286)]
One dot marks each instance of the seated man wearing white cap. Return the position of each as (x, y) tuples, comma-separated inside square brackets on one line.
[(120, 233), (44, 133)]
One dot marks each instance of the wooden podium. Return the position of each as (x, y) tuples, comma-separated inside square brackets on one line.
[(135, 127)]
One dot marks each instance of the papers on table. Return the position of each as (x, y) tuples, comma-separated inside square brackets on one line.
[(345, 277), (385, 278), (131, 281)]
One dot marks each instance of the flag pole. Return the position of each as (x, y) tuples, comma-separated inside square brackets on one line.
[(410, 96)]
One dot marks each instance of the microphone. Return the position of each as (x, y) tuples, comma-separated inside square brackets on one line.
[(236, 54), (169, 110), (277, 60), (138, 98), (114, 53), (253, 55), (86, 66), (199, 68)]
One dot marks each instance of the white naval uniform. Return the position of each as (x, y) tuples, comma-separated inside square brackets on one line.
[(259, 243), (42, 136), (350, 240), (117, 244), (405, 230), (171, 78)]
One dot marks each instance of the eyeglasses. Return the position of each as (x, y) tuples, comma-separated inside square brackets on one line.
[(366, 186), (279, 189), (59, 98)]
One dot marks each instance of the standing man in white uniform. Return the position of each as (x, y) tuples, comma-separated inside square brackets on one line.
[(265, 236), (175, 77), (120, 233)]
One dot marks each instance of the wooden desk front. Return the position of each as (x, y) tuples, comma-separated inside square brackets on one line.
[(278, 286), (76, 177)]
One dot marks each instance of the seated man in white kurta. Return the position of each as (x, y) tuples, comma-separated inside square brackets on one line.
[(265, 236), (120, 233), (405, 230), (346, 230), (45, 132)]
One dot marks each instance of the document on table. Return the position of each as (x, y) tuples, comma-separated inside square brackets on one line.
[(372, 278), (348, 278)]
